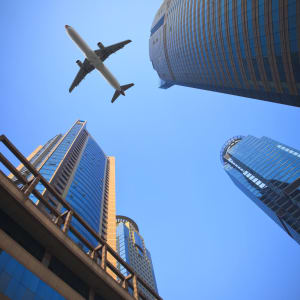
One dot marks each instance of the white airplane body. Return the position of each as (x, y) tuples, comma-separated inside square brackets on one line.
[(94, 60)]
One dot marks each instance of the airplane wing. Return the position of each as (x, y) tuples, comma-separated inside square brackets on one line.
[(107, 51), (84, 70)]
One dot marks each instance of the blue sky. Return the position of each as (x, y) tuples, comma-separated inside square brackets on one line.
[(207, 240)]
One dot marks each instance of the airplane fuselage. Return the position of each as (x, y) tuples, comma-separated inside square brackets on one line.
[(93, 59)]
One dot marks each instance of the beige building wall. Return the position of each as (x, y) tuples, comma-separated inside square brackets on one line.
[(111, 210)]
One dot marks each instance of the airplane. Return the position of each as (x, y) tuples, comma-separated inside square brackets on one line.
[(94, 60)]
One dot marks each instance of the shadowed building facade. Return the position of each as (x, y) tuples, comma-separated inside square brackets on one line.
[(84, 176), (268, 172), (249, 48), (131, 247)]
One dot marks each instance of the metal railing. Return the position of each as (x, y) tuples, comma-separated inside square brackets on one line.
[(63, 221)]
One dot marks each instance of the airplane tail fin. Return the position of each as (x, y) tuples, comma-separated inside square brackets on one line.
[(123, 88)]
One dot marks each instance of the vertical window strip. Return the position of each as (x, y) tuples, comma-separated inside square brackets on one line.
[(236, 8), (202, 25), (229, 22), (193, 38), (185, 69), (219, 41), (224, 40), (264, 84), (207, 46), (214, 38), (285, 46), (171, 42), (187, 42), (199, 42)]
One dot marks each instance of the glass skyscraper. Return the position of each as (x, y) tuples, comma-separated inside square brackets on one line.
[(268, 172), (131, 247), (84, 176), (249, 48), (77, 167)]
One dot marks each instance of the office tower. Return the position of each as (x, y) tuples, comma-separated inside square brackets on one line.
[(81, 172), (131, 247), (37, 157), (84, 176), (268, 172), (249, 48)]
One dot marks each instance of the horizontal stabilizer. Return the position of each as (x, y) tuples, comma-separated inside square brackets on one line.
[(123, 88), (126, 86)]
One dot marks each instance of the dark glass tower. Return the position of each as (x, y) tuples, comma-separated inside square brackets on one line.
[(268, 172), (131, 247), (249, 48)]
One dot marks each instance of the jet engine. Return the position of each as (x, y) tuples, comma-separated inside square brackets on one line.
[(100, 45), (79, 63)]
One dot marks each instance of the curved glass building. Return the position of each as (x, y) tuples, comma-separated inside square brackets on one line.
[(268, 172), (249, 48), (131, 247)]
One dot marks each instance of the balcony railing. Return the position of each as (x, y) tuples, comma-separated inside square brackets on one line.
[(99, 253)]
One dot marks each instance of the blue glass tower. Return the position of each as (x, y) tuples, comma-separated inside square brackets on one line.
[(249, 48), (131, 247), (268, 172), (76, 168), (80, 171)]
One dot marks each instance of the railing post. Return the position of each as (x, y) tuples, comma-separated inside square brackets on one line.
[(32, 186), (125, 284), (94, 255), (103, 257), (58, 221), (67, 221), (135, 287)]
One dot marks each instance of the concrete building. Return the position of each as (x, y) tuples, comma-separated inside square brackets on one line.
[(268, 172), (246, 48)]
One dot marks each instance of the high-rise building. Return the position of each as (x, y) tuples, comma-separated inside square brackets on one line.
[(37, 157), (131, 247), (268, 172), (80, 171), (249, 48), (84, 176)]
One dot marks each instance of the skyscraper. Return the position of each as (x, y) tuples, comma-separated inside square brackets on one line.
[(81, 172), (37, 157), (249, 48), (268, 172), (84, 176), (131, 247)]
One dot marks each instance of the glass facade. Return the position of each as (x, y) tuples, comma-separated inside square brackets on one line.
[(75, 166), (41, 154), (86, 190), (122, 245), (131, 247), (268, 172), (51, 164), (17, 282), (246, 48)]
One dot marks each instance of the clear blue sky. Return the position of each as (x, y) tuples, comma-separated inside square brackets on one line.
[(208, 241)]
